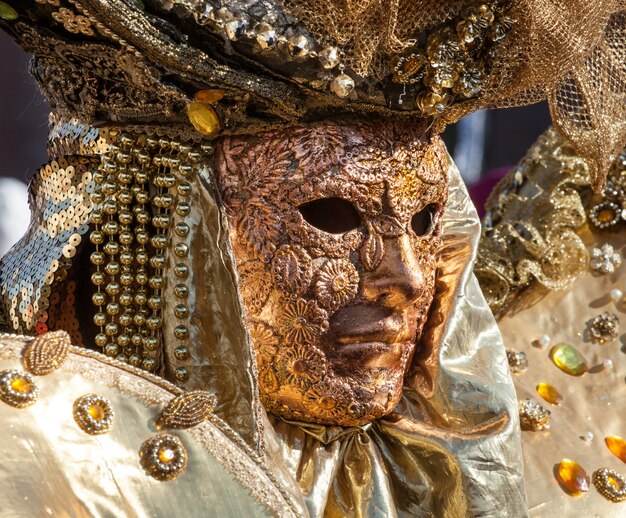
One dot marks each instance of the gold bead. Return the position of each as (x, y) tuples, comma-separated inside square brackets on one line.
[(164, 180), (181, 229), (139, 320), (100, 339), (181, 353), (141, 257), (162, 221), (181, 291), (158, 262), (125, 217), (183, 209), (111, 248), (137, 340), (126, 299), (181, 311), (184, 189), (181, 332), (126, 279), (141, 298), (142, 236), (123, 340), (154, 323), (155, 303), (126, 237), (111, 329), (96, 237), (181, 250), (159, 241), (181, 374), (97, 278), (111, 350), (98, 298), (181, 270), (124, 178), (142, 216), (113, 308), (96, 217), (97, 197), (141, 278), (156, 282), (125, 319), (135, 360), (110, 228), (112, 268), (112, 288), (149, 364), (163, 200), (99, 319), (126, 258), (122, 358), (152, 343), (142, 196), (97, 258)]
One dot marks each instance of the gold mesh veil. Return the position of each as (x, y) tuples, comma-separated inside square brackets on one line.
[(571, 52)]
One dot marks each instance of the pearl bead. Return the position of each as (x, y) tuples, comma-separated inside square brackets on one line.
[(607, 364), (588, 437), (616, 295)]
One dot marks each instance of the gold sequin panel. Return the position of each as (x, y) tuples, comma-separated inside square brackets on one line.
[(60, 199)]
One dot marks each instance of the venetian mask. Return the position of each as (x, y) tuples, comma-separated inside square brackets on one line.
[(335, 230)]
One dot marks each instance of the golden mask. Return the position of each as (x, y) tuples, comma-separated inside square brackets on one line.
[(335, 230)]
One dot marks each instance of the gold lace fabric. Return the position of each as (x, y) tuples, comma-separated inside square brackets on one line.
[(571, 53)]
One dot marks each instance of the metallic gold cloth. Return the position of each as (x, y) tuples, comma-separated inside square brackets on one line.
[(594, 402), (452, 447), (51, 467)]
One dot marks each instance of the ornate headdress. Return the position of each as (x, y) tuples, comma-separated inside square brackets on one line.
[(268, 64)]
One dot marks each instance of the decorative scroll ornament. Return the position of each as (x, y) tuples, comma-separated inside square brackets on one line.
[(187, 410), (46, 353)]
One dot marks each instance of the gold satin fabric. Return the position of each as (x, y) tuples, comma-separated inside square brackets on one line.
[(593, 403), (52, 468), (452, 447)]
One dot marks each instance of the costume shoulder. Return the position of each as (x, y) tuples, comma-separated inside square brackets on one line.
[(85, 435)]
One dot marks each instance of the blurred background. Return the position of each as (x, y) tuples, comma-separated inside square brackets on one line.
[(484, 145)]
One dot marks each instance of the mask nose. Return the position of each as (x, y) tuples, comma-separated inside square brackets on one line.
[(398, 281)]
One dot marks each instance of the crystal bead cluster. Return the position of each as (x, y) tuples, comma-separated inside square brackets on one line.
[(533, 416), (455, 61), (292, 43), (138, 225), (93, 414), (163, 456), (604, 327), (518, 362), (605, 259)]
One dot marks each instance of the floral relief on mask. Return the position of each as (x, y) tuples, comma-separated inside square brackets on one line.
[(335, 231)]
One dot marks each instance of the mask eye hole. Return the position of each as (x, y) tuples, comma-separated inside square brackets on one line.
[(422, 221), (332, 215)]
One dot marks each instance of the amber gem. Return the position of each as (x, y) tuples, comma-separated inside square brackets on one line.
[(203, 118), (606, 215), (166, 455), (21, 385), (7, 12), (569, 359), (573, 476), (549, 393), (208, 96), (96, 412), (617, 446)]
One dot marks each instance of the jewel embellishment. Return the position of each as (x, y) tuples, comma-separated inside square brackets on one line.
[(617, 446), (604, 327), (187, 410), (549, 393), (93, 414), (605, 215), (533, 416), (573, 476), (46, 353), (518, 362), (610, 484), (569, 359), (605, 259), (18, 389), (163, 457)]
